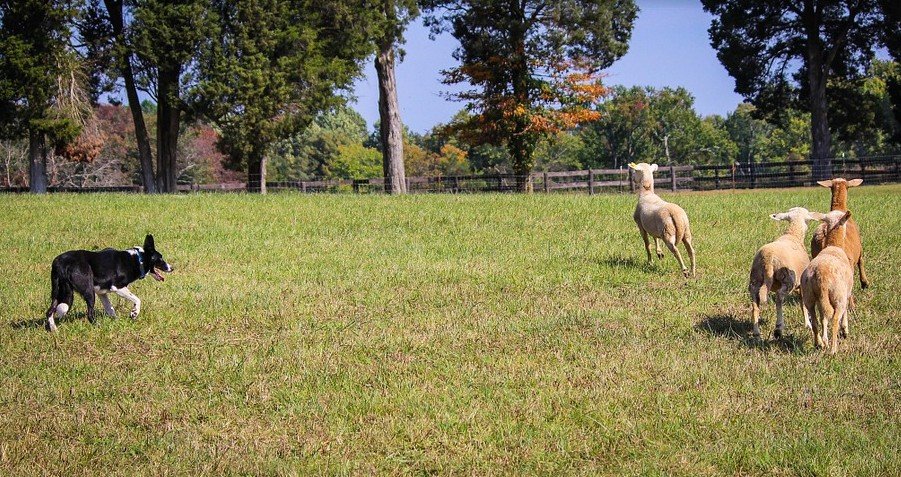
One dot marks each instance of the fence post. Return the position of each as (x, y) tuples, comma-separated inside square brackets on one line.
[(545, 183), (753, 171), (590, 182), (897, 171), (303, 186), (716, 176), (672, 177)]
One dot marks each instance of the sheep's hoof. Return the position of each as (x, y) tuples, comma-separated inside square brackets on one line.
[(864, 285), (660, 255), (686, 273), (777, 333), (842, 333)]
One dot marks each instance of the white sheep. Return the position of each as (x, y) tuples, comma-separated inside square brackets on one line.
[(827, 282), (778, 265), (660, 219)]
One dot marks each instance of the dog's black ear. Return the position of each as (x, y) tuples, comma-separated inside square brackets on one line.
[(148, 242)]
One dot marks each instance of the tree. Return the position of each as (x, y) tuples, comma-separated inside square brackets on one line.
[(166, 36), (677, 123), (747, 132), (392, 17), (106, 34), (41, 97), (779, 51), (311, 152), (862, 111), (623, 133), (273, 66), (534, 65)]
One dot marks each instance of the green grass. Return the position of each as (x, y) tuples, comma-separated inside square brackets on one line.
[(479, 335)]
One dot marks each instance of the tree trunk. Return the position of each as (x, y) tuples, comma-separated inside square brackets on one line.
[(820, 153), (666, 149), (819, 121), (256, 175), (114, 8), (37, 163), (168, 116), (391, 127), (521, 145)]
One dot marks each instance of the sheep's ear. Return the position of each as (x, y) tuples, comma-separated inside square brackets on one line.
[(653, 167), (855, 182), (631, 165), (825, 183), (844, 219), (815, 216)]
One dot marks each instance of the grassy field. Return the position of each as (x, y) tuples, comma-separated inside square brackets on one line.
[(480, 335)]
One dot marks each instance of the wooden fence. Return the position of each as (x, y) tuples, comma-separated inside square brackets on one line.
[(873, 170)]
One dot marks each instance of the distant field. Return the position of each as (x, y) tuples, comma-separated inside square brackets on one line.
[(478, 335)]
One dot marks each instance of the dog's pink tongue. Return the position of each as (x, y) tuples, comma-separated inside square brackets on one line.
[(156, 275)]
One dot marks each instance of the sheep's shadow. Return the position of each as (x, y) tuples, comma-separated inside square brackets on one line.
[(622, 261), (42, 322), (731, 328)]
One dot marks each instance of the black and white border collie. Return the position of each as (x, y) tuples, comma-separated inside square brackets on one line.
[(106, 271)]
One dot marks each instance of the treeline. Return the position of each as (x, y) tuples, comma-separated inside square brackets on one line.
[(254, 89)]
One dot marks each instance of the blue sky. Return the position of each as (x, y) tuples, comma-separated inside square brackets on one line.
[(669, 47)]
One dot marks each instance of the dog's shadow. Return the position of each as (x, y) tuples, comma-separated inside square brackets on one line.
[(42, 322), (739, 330)]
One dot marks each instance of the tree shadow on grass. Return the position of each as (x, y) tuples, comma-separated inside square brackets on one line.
[(729, 327), (42, 322)]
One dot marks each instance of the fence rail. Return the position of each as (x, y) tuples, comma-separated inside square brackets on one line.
[(874, 170)]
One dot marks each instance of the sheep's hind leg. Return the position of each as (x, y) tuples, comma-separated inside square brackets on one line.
[(755, 312), (671, 245), (837, 317), (864, 281), (780, 321), (691, 252), (647, 244), (844, 330), (811, 312)]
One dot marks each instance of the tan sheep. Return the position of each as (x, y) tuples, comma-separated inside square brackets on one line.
[(660, 219), (778, 265), (827, 282), (853, 246)]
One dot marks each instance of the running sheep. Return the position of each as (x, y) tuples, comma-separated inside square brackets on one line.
[(778, 265), (660, 219)]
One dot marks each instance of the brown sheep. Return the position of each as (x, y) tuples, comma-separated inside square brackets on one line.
[(778, 265), (827, 282), (853, 246), (660, 219)]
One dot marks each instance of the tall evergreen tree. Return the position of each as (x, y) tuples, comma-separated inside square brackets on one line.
[(783, 53), (166, 36), (273, 65), (38, 75), (533, 64)]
